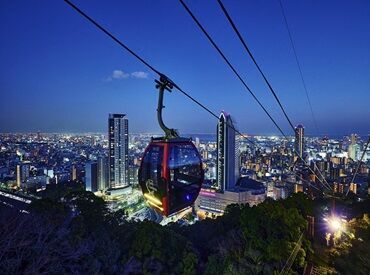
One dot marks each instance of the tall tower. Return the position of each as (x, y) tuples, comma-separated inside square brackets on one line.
[(118, 151), (74, 173), (299, 140), (354, 148), (103, 174), (91, 176), (22, 172), (227, 168)]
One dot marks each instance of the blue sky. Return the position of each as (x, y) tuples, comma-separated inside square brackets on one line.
[(59, 73)]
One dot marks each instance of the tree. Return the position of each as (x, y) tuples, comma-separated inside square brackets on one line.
[(86, 205), (29, 244), (352, 256)]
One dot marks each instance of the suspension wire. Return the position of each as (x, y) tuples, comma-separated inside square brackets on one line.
[(256, 64), (359, 164), (302, 79), (119, 42), (111, 36), (299, 67), (230, 65), (246, 86), (254, 60), (288, 264)]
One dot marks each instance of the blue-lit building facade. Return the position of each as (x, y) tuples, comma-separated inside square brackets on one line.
[(91, 176), (227, 167), (118, 151), (299, 140)]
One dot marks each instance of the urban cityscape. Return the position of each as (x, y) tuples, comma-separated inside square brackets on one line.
[(218, 200)]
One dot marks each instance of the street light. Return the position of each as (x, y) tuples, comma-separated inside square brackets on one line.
[(335, 224)]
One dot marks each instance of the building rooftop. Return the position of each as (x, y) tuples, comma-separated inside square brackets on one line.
[(249, 184)]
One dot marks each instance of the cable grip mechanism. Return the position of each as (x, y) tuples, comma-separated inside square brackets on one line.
[(164, 83)]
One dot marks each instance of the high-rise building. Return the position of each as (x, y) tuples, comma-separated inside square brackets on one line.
[(197, 142), (73, 172), (298, 188), (227, 168), (299, 140), (353, 188), (91, 176), (354, 150), (103, 172), (134, 170), (22, 173), (118, 151)]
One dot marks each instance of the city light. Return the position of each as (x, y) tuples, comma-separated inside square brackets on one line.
[(335, 224)]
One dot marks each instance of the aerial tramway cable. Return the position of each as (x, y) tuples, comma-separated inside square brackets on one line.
[(325, 183), (299, 67), (263, 75), (254, 61)]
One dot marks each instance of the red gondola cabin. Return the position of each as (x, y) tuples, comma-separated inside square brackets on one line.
[(171, 174)]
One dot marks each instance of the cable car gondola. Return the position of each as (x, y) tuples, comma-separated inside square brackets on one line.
[(171, 172)]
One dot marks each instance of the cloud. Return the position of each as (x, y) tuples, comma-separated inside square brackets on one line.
[(139, 74), (118, 74)]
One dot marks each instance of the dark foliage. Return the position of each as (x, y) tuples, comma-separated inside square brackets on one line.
[(76, 233)]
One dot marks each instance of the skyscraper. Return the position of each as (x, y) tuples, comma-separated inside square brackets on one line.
[(299, 140), (227, 165), (91, 176), (103, 175), (22, 172), (118, 151), (354, 149), (73, 172)]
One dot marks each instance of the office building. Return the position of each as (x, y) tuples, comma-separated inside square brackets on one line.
[(22, 173), (103, 173), (354, 152), (197, 142), (91, 176), (227, 167), (299, 140), (298, 188), (353, 188), (74, 173), (280, 192), (133, 172), (211, 203), (36, 183), (118, 151)]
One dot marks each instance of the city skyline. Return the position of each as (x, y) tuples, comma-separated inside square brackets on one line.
[(107, 80), (184, 137)]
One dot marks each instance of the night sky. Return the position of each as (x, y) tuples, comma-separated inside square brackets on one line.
[(58, 73)]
